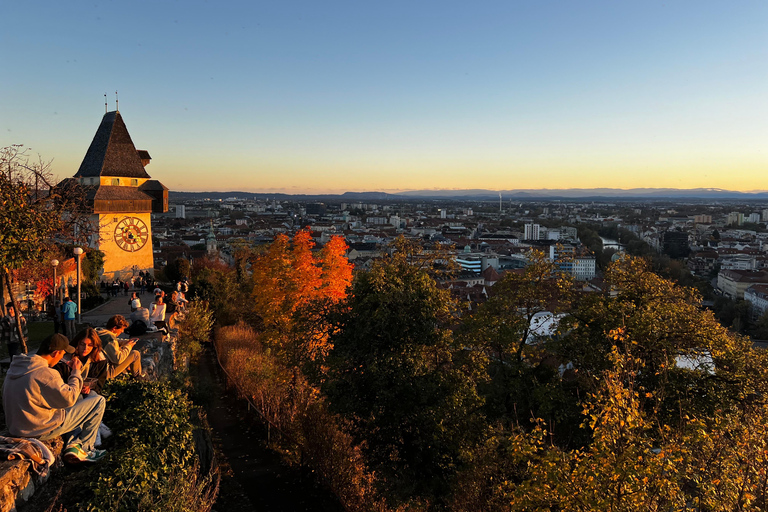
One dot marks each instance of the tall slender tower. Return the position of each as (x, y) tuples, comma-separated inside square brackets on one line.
[(121, 196)]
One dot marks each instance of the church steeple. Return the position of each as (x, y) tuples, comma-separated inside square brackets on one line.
[(210, 241)]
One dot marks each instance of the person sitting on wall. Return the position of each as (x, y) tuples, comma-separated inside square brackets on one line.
[(119, 352), (157, 312), (95, 369), (135, 302), (38, 403), (10, 333)]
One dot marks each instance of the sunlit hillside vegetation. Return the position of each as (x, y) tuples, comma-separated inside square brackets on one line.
[(401, 402)]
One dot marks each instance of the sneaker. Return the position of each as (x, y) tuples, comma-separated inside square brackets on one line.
[(94, 455), (74, 454), (105, 431)]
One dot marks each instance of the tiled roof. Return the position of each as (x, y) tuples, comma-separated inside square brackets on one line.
[(114, 193), (112, 152), (152, 185)]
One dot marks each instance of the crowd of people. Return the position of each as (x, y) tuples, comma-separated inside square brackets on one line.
[(56, 391), (140, 282)]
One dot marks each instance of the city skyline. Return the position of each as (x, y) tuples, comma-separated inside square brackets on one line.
[(307, 98)]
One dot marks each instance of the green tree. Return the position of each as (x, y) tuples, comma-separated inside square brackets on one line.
[(177, 270), (760, 329), (511, 330), (397, 376), (707, 459)]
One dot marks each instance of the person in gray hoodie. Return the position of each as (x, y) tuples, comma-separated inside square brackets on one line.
[(38, 403)]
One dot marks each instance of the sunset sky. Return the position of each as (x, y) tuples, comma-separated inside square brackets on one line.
[(329, 96)]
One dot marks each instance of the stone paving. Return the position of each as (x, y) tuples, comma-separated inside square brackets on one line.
[(119, 305)]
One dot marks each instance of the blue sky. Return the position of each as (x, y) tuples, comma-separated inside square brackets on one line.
[(336, 96)]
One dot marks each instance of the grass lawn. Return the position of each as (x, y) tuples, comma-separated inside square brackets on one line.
[(38, 331)]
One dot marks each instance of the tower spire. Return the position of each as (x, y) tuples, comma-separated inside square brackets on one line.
[(117, 108)]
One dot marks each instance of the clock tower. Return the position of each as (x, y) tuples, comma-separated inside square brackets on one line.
[(122, 197)]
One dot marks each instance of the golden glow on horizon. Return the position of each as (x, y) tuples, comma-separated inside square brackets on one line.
[(318, 177), (397, 172)]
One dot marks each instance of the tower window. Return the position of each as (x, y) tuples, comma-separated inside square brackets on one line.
[(115, 181), (134, 183)]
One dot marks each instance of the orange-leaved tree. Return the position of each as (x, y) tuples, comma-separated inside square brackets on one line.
[(292, 286)]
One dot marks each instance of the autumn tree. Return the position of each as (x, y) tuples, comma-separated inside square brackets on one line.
[(291, 288), (635, 461), (667, 325), (35, 211)]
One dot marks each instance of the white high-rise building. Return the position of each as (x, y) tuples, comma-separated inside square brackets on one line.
[(532, 231)]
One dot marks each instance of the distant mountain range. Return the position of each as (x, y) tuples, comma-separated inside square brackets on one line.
[(588, 193), (482, 194)]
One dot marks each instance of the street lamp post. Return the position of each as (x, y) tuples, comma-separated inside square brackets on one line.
[(78, 251), (54, 289)]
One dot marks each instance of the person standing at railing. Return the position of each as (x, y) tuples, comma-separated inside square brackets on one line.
[(54, 313)]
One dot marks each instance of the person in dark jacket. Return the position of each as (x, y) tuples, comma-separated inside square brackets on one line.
[(10, 333), (95, 368)]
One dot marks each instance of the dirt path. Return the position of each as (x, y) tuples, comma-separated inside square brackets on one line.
[(253, 477)]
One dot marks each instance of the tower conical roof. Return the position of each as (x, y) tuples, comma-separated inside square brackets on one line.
[(112, 152)]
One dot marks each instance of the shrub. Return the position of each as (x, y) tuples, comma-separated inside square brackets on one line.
[(313, 435), (153, 465), (195, 329)]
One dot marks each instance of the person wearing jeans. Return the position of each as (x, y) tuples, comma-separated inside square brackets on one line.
[(68, 311), (119, 352), (38, 403)]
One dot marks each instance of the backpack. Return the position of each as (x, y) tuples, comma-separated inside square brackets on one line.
[(137, 328)]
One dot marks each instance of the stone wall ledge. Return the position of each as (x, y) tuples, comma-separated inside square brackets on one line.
[(18, 483)]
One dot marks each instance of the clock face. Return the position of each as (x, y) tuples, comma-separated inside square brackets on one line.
[(131, 234)]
